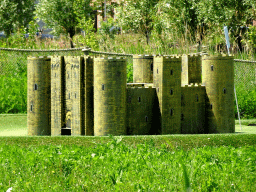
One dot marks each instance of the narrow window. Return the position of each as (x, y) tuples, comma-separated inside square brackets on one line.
[(69, 95), (146, 118), (55, 75), (211, 106), (75, 95), (35, 87), (171, 92), (224, 90), (171, 112), (151, 66), (157, 71), (103, 87), (212, 68), (31, 107), (197, 99), (171, 72), (139, 99)]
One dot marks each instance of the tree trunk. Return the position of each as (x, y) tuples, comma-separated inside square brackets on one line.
[(148, 37), (71, 34)]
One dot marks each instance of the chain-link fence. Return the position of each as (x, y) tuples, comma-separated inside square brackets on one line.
[(245, 84), (13, 78)]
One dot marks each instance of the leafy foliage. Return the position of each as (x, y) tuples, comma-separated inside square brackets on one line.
[(13, 95), (138, 16), (252, 38), (63, 15), (15, 14)]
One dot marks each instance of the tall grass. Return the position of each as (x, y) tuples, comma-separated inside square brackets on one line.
[(116, 166)]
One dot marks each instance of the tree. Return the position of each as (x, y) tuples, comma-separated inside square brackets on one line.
[(64, 15), (236, 14), (15, 14), (138, 16)]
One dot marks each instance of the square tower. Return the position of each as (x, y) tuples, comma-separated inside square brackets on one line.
[(57, 95), (74, 112), (167, 80)]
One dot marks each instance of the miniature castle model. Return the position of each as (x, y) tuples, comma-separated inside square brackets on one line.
[(84, 95)]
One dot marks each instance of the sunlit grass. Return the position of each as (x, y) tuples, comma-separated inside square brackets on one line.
[(114, 164), (16, 125)]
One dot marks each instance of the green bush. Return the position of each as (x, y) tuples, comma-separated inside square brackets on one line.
[(13, 94), (246, 103)]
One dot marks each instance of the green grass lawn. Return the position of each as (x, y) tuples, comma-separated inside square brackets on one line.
[(13, 125), (16, 125), (206, 162)]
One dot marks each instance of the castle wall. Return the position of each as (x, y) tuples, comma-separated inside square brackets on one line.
[(218, 78), (191, 69), (38, 96), (142, 69), (109, 96), (167, 80), (57, 95), (143, 113), (193, 109)]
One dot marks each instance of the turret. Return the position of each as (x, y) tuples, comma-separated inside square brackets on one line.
[(38, 96), (109, 96), (143, 69), (218, 78)]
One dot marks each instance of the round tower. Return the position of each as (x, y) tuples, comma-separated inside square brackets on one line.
[(218, 78), (109, 96), (142, 69), (39, 96)]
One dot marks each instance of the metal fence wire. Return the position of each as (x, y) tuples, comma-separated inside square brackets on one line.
[(245, 74), (13, 77)]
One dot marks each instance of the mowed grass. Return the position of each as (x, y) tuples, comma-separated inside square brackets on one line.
[(213, 162), (13, 125), (16, 125)]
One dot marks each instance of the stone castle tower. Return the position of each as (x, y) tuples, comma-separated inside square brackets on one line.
[(187, 94)]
